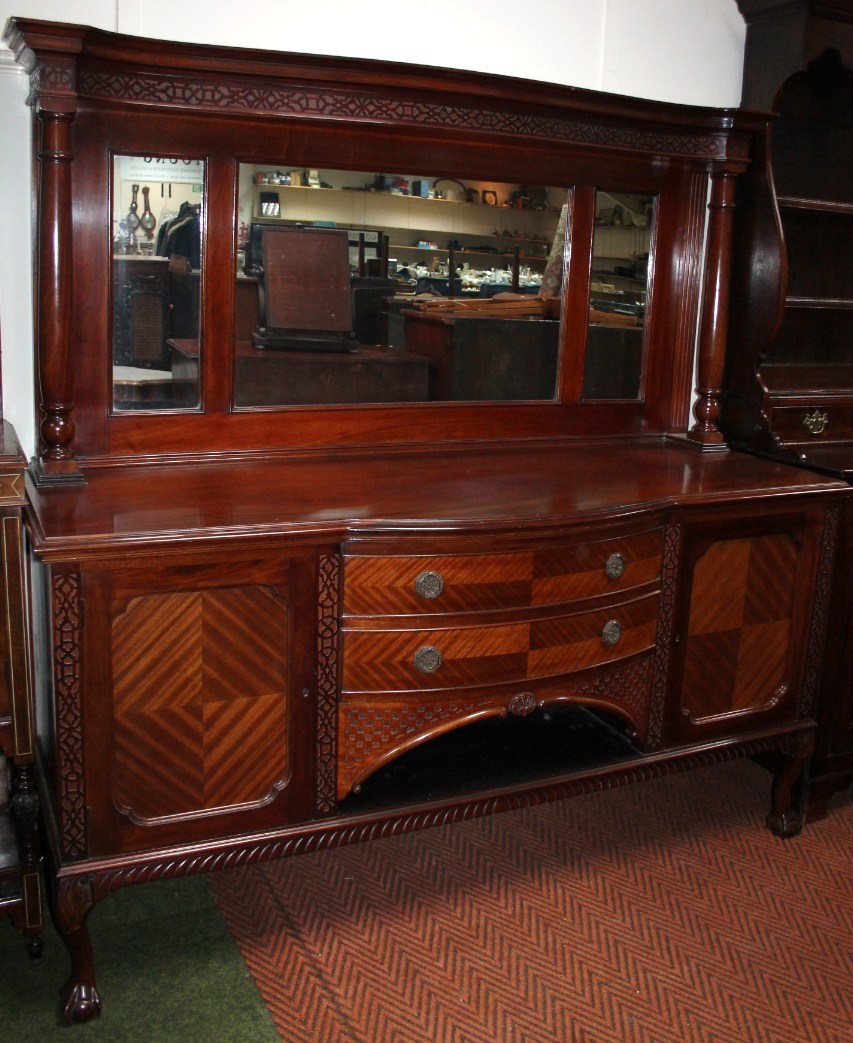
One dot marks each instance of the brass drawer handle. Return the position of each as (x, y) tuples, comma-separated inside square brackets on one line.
[(427, 659), (614, 566), (611, 633), (429, 584), (816, 423)]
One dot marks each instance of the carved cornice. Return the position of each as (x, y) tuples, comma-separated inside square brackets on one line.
[(131, 70), (56, 79), (322, 102)]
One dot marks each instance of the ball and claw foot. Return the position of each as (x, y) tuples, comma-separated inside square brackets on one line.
[(785, 824), (80, 1002)]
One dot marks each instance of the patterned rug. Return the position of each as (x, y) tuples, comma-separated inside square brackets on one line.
[(662, 911)]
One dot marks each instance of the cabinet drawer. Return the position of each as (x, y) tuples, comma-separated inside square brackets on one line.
[(814, 423), (400, 585), (418, 659)]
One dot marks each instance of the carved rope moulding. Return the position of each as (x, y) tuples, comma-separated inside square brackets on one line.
[(342, 833)]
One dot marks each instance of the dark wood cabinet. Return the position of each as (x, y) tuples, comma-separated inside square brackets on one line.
[(789, 382), (261, 615), (20, 860)]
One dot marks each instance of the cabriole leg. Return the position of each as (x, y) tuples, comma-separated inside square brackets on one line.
[(73, 902), (786, 811)]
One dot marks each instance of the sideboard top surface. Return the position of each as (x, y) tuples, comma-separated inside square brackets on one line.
[(449, 491)]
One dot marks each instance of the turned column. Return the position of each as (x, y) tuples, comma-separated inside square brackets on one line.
[(49, 55), (715, 312), (53, 314), (56, 462)]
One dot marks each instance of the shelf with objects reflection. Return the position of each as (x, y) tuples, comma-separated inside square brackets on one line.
[(450, 295), (156, 264), (357, 288)]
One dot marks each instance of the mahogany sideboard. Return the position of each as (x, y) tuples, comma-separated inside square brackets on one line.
[(277, 628)]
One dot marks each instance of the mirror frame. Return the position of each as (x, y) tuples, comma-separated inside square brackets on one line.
[(97, 93)]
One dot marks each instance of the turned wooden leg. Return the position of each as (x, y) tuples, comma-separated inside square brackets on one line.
[(24, 805), (73, 902), (787, 811)]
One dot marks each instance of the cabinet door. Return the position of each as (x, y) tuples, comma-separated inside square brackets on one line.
[(747, 627), (196, 683)]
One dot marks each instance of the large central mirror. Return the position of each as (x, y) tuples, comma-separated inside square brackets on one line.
[(358, 288)]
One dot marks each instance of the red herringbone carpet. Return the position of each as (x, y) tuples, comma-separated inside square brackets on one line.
[(662, 911)]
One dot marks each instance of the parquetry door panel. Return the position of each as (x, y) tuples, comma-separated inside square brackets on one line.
[(200, 694), (747, 623), (195, 678)]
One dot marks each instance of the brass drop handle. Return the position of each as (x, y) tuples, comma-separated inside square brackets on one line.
[(427, 659), (816, 423), (614, 566), (429, 584), (611, 633)]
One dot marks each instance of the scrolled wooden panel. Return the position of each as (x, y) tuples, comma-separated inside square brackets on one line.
[(376, 731), (200, 702)]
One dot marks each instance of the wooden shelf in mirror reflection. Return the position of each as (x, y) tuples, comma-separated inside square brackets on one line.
[(789, 385)]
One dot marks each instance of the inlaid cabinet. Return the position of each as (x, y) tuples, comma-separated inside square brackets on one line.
[(294, 600)]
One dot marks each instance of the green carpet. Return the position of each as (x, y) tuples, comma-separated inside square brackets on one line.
[(166, 966)]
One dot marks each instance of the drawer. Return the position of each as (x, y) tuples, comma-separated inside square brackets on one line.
[(401, 660), (814, 423), (400, 585)]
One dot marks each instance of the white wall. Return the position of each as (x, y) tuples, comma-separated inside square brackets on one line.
[(673, 50)]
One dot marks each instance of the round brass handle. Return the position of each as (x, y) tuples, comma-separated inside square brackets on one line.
[(427, 659), (611, 633), (429, 584), (614, 566)]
